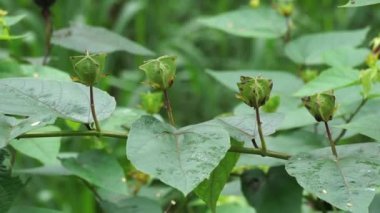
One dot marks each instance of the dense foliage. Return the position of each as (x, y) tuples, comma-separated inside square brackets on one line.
[(189, 106)]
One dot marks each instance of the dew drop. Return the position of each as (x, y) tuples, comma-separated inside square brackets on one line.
[(324, 191), (369, 171), (35, 75), (123, 179), (173, 202), (35, 123), (371, 189), (299, 158), (349, 204)]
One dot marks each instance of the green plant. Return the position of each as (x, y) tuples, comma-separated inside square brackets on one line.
[(132, 160)]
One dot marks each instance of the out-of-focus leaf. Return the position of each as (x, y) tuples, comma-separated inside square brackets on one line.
[(309, 49), (349, 182), (98, 168), (122, 119), (333, 78), (134, 204), (345, 57), (235, 208), (186, 156), (259, 188), (367, 125), (31, 209), (43, 149), (359, 3), (29, 96), (11, 127), (280, 79), (96, 40), (12, 20), (259, 23)]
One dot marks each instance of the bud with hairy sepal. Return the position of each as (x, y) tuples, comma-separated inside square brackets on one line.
[(321, 106), (160, 72), (255, 92), (88, 68), (152, 102)]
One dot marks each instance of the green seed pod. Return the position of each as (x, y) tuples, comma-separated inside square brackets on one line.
[(255, 92), (151, 102), (321, 106), (160, 72), (88, 68)]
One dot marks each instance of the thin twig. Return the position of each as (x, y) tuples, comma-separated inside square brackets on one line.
[(92, 189), (259, 128), (168, 107), (93, 112), (349, 119), (332, 143)]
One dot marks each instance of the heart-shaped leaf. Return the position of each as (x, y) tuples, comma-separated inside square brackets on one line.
[(29, 96), (349, 182), (96, 40), (98, 168), (181, 158), (259, 23), (11, 127), (309, 49)]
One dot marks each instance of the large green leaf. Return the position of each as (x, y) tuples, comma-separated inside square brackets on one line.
[(132, 205), (43, 149), (348, 183), (367, 125), (96, 39), (280, 79), (359, 3), (29, 96), (210, 189), (243, 128), (309, 49), (259, 23), (235, 208), (98, 168), (333, 78), (181, 158), (11, 127), (259, 190)]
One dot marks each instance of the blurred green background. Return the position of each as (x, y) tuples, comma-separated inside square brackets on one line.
[(168, 28)]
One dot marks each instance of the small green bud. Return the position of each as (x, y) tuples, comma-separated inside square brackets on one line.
[(309, 75), (88, 68), (375, 45), (367, 77), (151, 102), (254, 91), (372, 59), (272, 104), (254, 3), (321, 106), (160, 72), (286, 8)]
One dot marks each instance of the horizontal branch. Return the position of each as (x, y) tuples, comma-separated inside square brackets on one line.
[(123, 135), (254, 151)]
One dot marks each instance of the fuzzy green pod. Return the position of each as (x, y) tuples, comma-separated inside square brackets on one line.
[(254, 92), (152, 102), (88, 68), (160, 72), (321, 106)]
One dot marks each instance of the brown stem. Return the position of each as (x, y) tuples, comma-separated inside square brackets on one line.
[(259, 128), (93, 112), (332, 143), (48, 33), (349, 119), (168, 107), (288, 34)]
